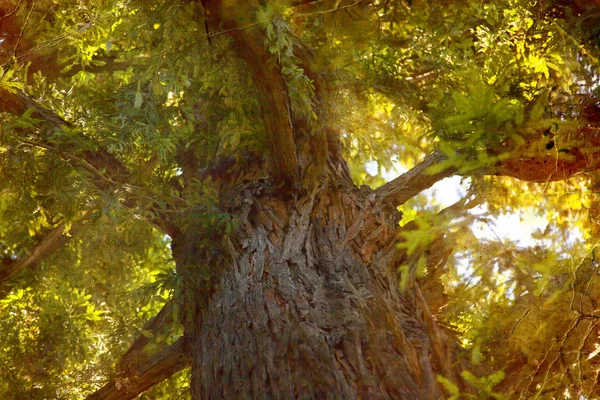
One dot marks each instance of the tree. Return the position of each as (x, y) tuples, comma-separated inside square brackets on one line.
[(201, 166)]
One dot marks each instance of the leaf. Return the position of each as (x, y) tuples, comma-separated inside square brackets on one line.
[(138, 96), (439, 167), (404, 275), (450, 387), (147, 334)]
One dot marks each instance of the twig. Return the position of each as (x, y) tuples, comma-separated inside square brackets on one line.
[(23, 28), (11, 12), (252, 25)]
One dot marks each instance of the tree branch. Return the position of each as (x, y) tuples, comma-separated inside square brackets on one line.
[(52, 69), (44, 248), (556, 164), (413, 182), (314, 145), (163, 317), (272, 92), (145, 374), (137, 372), (44, 57), (275, 106), (578, 155)]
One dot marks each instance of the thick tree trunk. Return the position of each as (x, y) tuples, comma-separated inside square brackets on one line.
[(308, 305), (302, 300)]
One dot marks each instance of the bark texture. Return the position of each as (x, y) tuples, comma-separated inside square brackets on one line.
[(302, 301), (307, 305)]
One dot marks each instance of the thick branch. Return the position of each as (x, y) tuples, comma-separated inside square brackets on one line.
[(275, 105), (163, 317), (147, 373), (579, 155), (556, 164), (272, 92), (323, 143), (47, 245), (137, 372), (413, 182)]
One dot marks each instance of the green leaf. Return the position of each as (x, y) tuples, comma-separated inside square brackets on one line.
[(450, 387)]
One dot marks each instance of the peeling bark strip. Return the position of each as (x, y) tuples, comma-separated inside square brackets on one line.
[(307, 306)]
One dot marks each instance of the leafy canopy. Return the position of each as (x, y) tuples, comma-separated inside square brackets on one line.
[(148, 83)]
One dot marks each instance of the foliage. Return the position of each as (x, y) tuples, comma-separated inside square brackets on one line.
[(146, 82)]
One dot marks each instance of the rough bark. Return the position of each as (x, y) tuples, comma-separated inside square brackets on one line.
[(306, 305)]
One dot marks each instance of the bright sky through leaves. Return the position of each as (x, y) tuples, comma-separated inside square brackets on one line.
[(517, 227)]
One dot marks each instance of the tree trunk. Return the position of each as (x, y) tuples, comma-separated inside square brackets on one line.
[(307, 304), (302, 300)]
